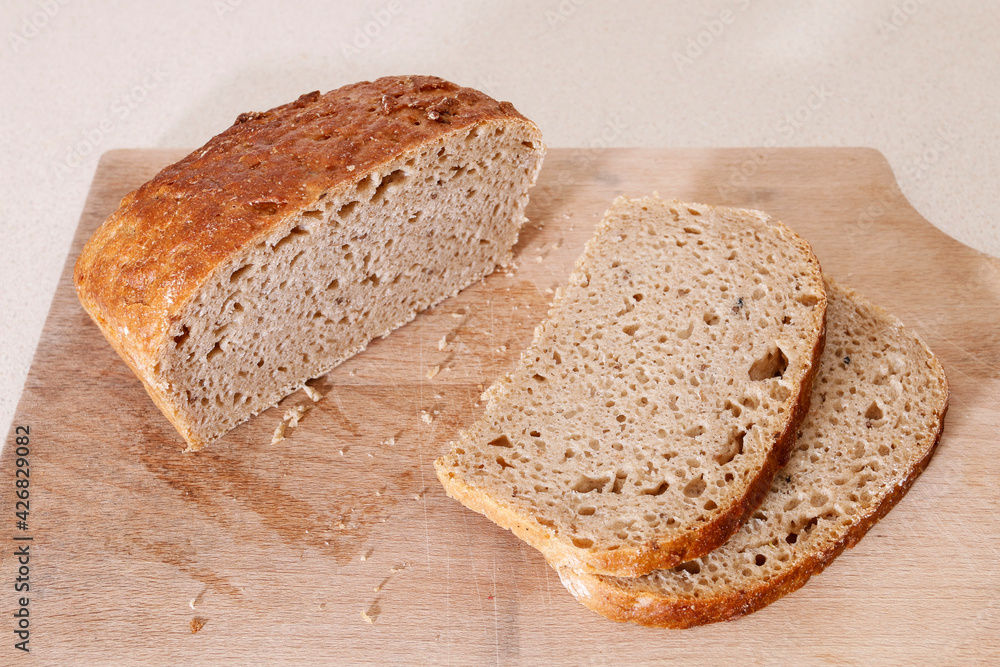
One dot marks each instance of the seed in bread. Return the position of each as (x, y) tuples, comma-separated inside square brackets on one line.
[(649, 414), (289, 241), (877, 412)]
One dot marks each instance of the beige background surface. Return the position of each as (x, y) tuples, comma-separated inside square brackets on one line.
[(918, 80)]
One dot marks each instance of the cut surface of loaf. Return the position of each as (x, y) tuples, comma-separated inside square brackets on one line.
[(877, 412), (292, 239), (656, 402)]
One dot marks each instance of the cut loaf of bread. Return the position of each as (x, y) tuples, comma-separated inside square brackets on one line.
[(651, 411), (292, 239), (877, 412)]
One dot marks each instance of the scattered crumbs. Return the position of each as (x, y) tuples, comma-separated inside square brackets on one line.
[(443, 343), (502, 348), (197, 623), (279, 433), (388, 442), (377, 588), (294, 414), (479, 387), (456, 314), (312, 393), (341, 452), (191, 603), (378, 493), (426, 417), (364, 557), (432, 372), (439, 396), (475, 405), (351, 373), (539, 259), (418, 496), (549, 290), (368, 619), (350, 167), (397, 568)]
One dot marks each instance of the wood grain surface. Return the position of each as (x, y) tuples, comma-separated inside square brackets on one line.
[(279, 553)]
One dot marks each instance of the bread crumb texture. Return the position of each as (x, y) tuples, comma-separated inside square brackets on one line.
[(288, 242), (877, 411), (658, 395)]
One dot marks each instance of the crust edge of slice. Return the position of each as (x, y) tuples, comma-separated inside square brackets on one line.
[(601, 596)]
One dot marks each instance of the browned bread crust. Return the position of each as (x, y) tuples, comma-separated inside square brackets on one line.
[(144, 273), (641, 601), (169, 236)]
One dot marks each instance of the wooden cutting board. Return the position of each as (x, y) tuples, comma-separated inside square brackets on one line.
[(276, 553)]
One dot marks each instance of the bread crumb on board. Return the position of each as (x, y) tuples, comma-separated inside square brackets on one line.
[(289, 420), (312, 393), (443, 343), (433, 372), (427, 417), (368, 619), (197, 623)]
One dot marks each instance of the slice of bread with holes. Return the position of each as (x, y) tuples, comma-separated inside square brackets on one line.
[(288, 242), (650, 413), (876, 417)]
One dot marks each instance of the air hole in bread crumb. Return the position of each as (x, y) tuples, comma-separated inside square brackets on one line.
[(588, 484), (397, 176), (182, 336), (874, 412), (582, 542), (238, 273), (214, 352), (711, 319), (732, 449), (695, 487), (690, 567), (500, 441), (587, 511), (711, 505), (503, 463), (535, 434), (760, 559), (346, 209), (771, 365), (807, 299), (695, 431), (657, 490)]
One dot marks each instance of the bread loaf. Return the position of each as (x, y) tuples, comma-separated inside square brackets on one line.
[(289, 241), (651, 411), (877, 412)]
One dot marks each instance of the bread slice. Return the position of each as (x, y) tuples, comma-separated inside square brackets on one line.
[(289, 241), (877, 412), (655, 404)]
